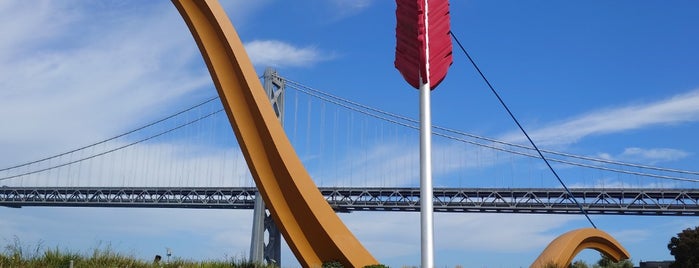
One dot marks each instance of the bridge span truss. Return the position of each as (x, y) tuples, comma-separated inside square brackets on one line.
[(596, 201)]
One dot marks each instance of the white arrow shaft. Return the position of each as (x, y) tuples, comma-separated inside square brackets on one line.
[(426, 203)]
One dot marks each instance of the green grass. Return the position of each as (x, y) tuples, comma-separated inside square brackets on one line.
[(16, 255)]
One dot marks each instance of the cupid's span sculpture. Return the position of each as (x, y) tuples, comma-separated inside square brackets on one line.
[(310, 226), (312, 229)]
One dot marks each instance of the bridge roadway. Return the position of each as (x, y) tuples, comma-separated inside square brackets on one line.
[(615, 201)]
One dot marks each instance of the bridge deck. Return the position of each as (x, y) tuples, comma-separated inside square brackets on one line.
[(669, 202)]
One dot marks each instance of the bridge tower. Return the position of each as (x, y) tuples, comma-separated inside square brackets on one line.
[(262, 221)]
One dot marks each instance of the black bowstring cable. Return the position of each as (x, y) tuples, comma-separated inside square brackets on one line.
[(522, 129)]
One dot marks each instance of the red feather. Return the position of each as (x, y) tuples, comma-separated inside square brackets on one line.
[(411, 42)]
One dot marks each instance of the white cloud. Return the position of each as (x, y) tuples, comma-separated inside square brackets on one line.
[(163, 164), (605, 156), (280, 54), (394, 162), (654, 155), (90, 72), (113, 74), (646, 156), (352, 5), (620, 183), (240, 11), (72, 73), (398, 237), (141, 232), (346, 8), (496, 231), (682, 108), (24, 22), (631, 235), (76, 72), (393, 239)]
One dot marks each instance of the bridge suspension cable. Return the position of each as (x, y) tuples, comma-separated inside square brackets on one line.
[(400, 120), (158, 134), (115, 137), (411, 123)]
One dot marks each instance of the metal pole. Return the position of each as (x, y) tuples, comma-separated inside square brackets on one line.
[(426, 195), (426, 200)]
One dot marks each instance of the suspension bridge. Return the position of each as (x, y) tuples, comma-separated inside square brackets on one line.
[(147, 167), (361, 158), (615, 201)]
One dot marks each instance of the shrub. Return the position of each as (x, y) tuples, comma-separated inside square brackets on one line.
[(332, 264)]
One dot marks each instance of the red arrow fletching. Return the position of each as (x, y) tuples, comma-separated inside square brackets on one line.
[(411, 45)]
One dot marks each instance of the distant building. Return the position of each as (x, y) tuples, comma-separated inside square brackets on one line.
[(655, 264)]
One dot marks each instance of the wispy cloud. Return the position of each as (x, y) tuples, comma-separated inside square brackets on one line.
[(240, 11), (652, 156), (162, 163), (631, 235), (74, 72), (281, 54), (90, 74), (351, 6), (617, 183), (394, 162), (398, 237), (24, 24), (682, 108), (103, 67), (142, 232), (343, 9)]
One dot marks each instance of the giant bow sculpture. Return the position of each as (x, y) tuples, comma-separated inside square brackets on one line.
[(312, 229)]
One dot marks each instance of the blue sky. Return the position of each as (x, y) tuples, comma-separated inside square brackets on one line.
[(614, 80)]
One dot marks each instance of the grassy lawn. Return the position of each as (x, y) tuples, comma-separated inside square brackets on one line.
[(17, 256)]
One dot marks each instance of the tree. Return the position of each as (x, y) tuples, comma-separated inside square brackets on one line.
[(579, 264), (685, 248), (606, 262)]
